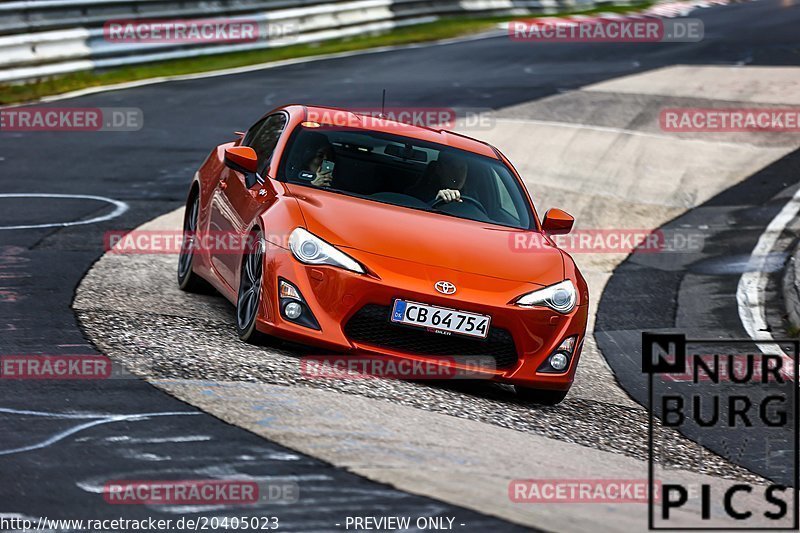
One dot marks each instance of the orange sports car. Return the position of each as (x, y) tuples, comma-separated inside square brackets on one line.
[(365, 235)]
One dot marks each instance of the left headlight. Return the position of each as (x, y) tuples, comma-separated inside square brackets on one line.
[(310, 249), (560, 297)]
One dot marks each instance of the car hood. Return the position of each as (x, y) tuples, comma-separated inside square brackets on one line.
[(429, 238)]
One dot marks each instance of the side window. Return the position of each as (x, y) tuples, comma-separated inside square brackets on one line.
[(263, 137)]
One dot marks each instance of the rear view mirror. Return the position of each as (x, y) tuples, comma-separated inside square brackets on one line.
[(241, 159), (557, 222)]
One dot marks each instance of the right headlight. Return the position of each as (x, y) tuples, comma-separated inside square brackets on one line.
[(560, 297), (310, 249)]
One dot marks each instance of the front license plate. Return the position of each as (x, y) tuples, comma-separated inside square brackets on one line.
[(440, 319)]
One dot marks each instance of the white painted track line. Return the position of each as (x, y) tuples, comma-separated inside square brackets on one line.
[(753, 283)]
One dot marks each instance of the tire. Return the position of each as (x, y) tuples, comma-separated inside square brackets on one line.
[(188, 281), (540, 396), (249, 295)]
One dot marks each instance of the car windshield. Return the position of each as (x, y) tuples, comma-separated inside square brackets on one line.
[(406, 172)]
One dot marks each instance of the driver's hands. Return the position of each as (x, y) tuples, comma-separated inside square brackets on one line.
[(449, 195), (322, 179)]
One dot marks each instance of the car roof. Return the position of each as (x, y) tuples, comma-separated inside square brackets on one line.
[(385, 125)]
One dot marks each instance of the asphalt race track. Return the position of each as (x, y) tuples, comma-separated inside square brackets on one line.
[(62, 440), (697, 291)]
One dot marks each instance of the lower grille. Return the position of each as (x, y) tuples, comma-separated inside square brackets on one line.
[(371, 325)]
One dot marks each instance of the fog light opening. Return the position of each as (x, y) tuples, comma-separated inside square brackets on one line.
[(293, 310), (559, 361), (293, 307)]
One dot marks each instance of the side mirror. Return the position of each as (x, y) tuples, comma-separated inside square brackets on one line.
[(241, 159), (557, 222)]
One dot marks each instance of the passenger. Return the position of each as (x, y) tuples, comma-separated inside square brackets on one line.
[(321, 151)]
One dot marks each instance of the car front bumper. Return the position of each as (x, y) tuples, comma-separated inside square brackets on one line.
[(339, 299)]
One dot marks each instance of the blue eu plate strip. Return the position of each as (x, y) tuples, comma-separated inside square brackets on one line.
[(399, 310)]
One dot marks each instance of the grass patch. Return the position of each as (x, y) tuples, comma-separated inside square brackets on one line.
[(442, 29)]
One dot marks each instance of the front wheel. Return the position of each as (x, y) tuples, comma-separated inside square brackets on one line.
[(250, 283), (187, 280), (540, 396)]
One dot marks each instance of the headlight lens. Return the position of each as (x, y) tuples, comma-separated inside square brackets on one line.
[(560, 297), (310, 249)]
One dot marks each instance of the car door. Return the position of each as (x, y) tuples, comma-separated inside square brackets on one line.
[(236, 199)]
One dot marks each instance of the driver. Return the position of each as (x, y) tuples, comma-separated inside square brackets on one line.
[(442, 180)]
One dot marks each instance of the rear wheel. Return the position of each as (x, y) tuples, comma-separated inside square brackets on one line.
[(250, 284), (540, 396), (187, 280)]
